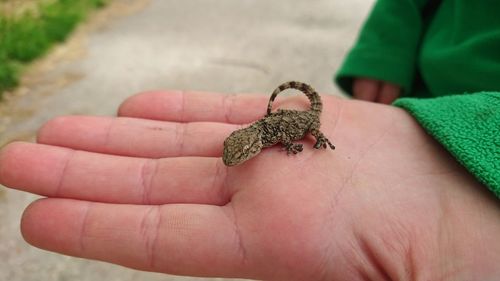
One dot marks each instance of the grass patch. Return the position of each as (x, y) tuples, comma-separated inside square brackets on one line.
[(27, 36)]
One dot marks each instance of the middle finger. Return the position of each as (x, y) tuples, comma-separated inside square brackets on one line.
[(60, 172)]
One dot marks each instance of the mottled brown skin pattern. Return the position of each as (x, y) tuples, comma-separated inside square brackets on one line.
[(283, 126)]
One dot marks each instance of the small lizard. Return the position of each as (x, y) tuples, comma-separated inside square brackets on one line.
[(283, 126)]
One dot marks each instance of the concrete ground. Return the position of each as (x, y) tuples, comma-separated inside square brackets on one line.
[(136, 45)]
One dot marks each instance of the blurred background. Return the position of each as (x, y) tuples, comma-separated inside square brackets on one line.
[(64, 57)]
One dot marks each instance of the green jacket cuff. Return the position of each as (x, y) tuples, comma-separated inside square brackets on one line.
[(468, 126)]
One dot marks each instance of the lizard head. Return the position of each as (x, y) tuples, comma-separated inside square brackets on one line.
[(241, 145)]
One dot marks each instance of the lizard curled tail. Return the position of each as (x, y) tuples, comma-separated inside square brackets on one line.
[(312, 95)]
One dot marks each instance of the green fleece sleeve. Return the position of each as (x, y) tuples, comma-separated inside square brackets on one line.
[(386, 48), (468, 126)]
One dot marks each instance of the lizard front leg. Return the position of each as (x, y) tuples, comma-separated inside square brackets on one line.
[(321, 140), (291, 147)]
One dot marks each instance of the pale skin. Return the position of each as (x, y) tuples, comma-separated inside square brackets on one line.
[(378, 91), (148, 190)]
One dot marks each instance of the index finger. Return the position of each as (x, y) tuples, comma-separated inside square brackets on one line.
[(181, 106), (185, 239)]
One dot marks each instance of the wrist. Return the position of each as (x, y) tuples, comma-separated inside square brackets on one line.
[(467, 245), (456, 238)]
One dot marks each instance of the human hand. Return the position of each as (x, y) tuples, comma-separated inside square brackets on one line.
[(148, 190), (375, 90)]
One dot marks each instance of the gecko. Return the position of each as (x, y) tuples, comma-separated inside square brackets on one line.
[(283, 126)]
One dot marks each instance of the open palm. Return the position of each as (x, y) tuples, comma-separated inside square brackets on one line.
[(148, 190)]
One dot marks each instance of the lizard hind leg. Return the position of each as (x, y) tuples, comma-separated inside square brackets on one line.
[(321, 140)]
